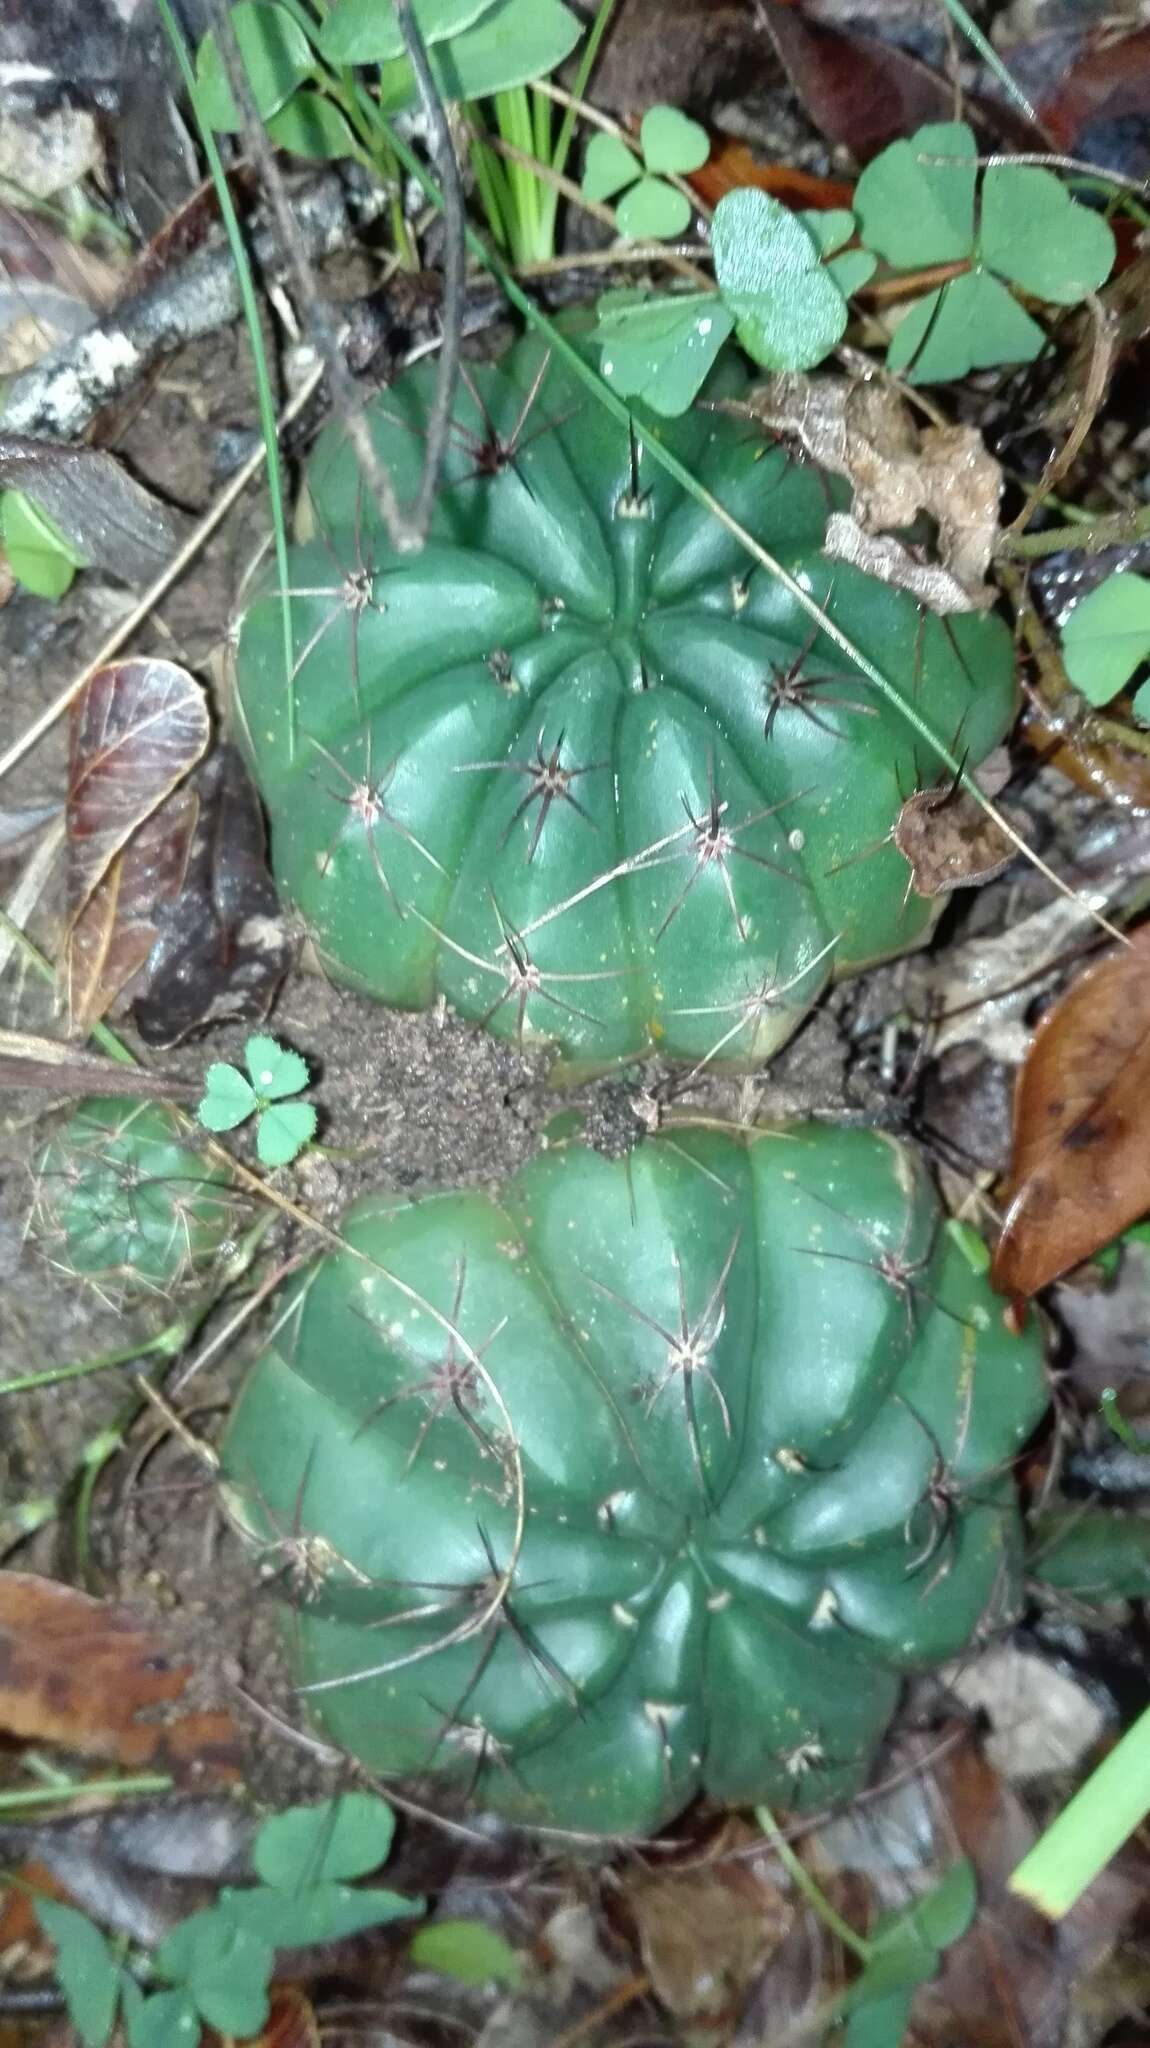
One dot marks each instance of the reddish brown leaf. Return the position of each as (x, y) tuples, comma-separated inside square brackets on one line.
[(79, 1672), (1108, 83), (731, 164), (137, 727), (862, 93), (118, 926), (706, 1932), (1080, 1163)]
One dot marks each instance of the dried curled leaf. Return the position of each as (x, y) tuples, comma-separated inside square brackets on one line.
[(79, 1672), (1080, 1163), (950, 841), (864, 432)]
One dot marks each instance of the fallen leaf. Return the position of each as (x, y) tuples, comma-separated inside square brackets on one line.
[(1080, 1161), (78, 1672), (859, 91), (983, 988), (862, 430), (222, 945), (28, 1061), (136, 729), (117, 928), (733, 164), (949, 841), (1066, 735), (706, 1932), (1040, 1718), (1099, 106)]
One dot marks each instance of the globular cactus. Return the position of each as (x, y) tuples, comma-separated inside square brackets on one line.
[(123, 1199), (652, 1476), (579, 765)]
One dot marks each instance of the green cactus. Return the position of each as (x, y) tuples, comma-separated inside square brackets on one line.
[(578, 765), (652, 1476), (122, 1198)]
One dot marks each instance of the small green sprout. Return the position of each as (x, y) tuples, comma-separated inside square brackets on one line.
[(650, 208), (230, 1098), (215, 1967), (39, 556)]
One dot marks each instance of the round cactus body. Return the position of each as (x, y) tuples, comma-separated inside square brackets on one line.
[(579, 765), (122, 1197), (650, 1477)]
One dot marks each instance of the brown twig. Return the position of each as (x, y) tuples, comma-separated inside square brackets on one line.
[(1105, 335)]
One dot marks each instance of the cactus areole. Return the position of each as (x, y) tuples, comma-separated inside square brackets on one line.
[(579, 765), (650, 1477)]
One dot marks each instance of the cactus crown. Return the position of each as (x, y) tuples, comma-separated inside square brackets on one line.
[(123, 1199), (650, 1477), (578, 765)]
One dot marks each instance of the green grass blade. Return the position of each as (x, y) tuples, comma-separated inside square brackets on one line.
[(550, 200), (1080, 1843), (990, 56), (264, 399)]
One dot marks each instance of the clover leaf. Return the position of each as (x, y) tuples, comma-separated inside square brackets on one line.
[(790, 311), (650, 209), (336, 1839), (39, 555), (230, 1098), (276, 55), (1107, 638), (85, 1969), (919, 205), (660, 349)]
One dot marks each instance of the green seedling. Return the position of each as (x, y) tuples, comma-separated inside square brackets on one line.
[(650, 208), (214, 1969), (283, 1128), (651, 1477)]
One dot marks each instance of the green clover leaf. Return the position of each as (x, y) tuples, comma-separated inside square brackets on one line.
[(274, 1070), (39, 555), (832, 227), (228, 1099), (916, 206), (367, 31), (670, 142), (660, 349), (168, 2019), (1107, 637), (650, 210), (276, 56), (86, 1969), (333, 1841), (283, 1131), (468, 1951), (322, 1912), (790, 312), (225, 1968)]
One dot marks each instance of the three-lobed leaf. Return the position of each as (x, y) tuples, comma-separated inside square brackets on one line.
[(650, 209), (224, 1967), (919, 204)]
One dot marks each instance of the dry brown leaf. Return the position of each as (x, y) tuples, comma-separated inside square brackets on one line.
[(863, 431), (705, 1933), (949, 841), (137, 728), (119, 924), (78, 1672), (1080, 1163)]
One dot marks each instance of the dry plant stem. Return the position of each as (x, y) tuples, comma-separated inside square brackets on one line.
[(1116, 529), (607, 259), (571, 192), (30, 887), (122, 633), (1045, 160), (1104, 338)]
